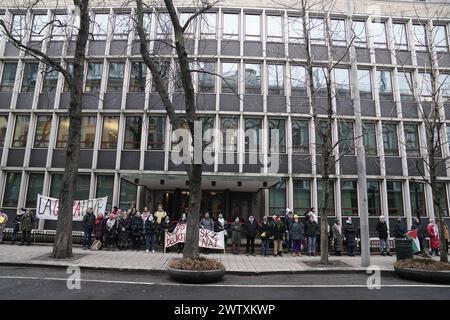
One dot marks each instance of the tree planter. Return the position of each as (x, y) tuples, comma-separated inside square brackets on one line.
[(423, 270), (195, 276)]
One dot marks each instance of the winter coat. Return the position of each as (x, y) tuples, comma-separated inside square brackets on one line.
[(350, 234), (382, 230), (111, 226), (289, 222), (137, 226), (124, 227), (312, 229), (296, 231), (169, 226), (100, 228), (422, 233), (264, 230), (399, 229), (414, 226), (5, 220), (251, 229), (218, 227), (433, 233), (278, 230), (88, 221), (17, 220), (207, 224), (338, 239), (27, 222), (150, 227), (236, 230)]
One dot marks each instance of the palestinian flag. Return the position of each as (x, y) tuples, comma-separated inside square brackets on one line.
[(413, 235)]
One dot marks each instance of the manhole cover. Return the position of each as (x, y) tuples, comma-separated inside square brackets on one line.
[(333, 264), (47, 257)]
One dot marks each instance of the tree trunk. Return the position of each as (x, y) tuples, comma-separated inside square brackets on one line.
[(191, 248)]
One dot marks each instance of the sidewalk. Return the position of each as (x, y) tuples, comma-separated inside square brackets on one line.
[(38, 255)]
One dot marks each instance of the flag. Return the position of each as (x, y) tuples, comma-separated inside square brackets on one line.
[(415, 240)]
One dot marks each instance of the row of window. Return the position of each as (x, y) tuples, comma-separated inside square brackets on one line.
[(155, 130), (230, 78), (277, 25)]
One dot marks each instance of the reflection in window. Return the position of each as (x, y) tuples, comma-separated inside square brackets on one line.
[(137, 77), (300, 137), (319, 80), (349, 198), (370, 138), (342, 82), (156, 130), (11, 189), (88, 126), (302, 195), (190, 30), (378, 33), (38, 27), (252, 27), (105, 187), (275, 28), (206, 79), (133, 131), (229, 77), (440, 41), (405, 85), (21, 131), (401, 42), (18, 26), (277, 198), (412, 140), (35, 185), (252, 134), (317, 30), (320, 199), (29, 77), (231, 26), (384, 84), (390, 139), (56, 185), (164, 26), (364, 84), (43, 127), (228, 129), (338, 32), (323, 128), (3, 126), (122, 25), (208, 26), (277, 136), (253, 78), (298, 81), (346, 137), (94, 76), (128, 192), (424, 88), (50, 80), (417, 197), (100, 26), (115, 76), (110, 132), (8, 77), (83, 187), (164, 71), (276, 79), (295, 29), (419, 37), (359, 31), (59, 27), (395, 198), (373, 198)]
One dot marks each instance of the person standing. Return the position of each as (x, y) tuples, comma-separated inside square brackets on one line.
[(208, 224), (137, 228), (446, 234), (296, 232), (289, 221), (124, 231), (111, 231), (311, 231), (150, 233), (350, 236), (183, 221), (251, 229), (222, 225), (145, 213), (265, 236), (337, 237), (399, 228), (88, 228), (382, 230), (278, 233), (433, 233), (100, 228), (159, 216), (26, 225), (16, 224), (3, 221), (236, 231)]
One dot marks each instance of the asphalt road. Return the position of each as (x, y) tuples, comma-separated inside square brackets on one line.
[(51, 283)]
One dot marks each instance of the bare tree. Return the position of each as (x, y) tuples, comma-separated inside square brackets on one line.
[(74, 78)]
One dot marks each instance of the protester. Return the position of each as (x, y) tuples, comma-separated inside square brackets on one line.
[(236, 231), (207, 223), (26, 225), (3, 221), (433, 233), (382, 230), (422, 234), (289, 221), (16, 224), (337, 237), (278, 232), (296, 233), (183, 221), (265, 236), (88, 228), (446, 234), (312, 213), (399, 228), (312, 231), (150, 233), (250, 229), (145, 214), (124, 231), (222, 225), (100, 228), (137, 228), (111, 231), (159, 215), (350, 233)]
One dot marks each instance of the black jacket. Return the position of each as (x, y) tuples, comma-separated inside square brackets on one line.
[(88, 221), (399, 229), (251, 229), (350, 233), (169, 226), (278, 230), (265, 229), (382, 230), (137, 226), (311, 229), (124, 225), (150, 227)]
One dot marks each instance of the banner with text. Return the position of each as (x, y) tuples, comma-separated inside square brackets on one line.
[(207, 238), (47, 208)]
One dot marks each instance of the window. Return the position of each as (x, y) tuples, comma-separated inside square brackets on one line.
[(445, 84), (50, 80), (252, 78), (122, 25), (252, 27), (38, 27), (43, 127), (440, 41), (378, 33), (320, 199), (231, 26), (110, 132), (70, 70), (94, 76), (228, 130), (59, 27), (276, 79), (300, 137), (370, 138), (56, 185), (229, 77), (417, 197), (317, 30), (21, 131), (275, 28), (105, 187), (302, 195), (412, 140), (419, 37), (373, 198), (359, 31), (83, 187), (11, 189), (18, 26), (208, 25), (164, 71), (29, 77), (208, 132), (390, 140), (441, 191), (346, 137), (401, 41), (190, 30), (128, 192), (349, 198), (133, 131), (252, 134), (156, 129), (298, 81), (100, 26), (405, 85), (8, 76), (277, 136), (3, 127), (384, 84), (321, 129), (206, 79), (295, 29), (277, 198), (424, 88), (395, 198), (342, 82), (319, 80), (364, 84), (88, 126), (164, 26), (147, 22), (338, 33), (115, 76), (35, 184), (138, 77)]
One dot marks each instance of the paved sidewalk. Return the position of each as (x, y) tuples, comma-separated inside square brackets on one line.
[(157, 262)]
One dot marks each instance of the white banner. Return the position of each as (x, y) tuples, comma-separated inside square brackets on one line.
[(207, 238), (48, 208)]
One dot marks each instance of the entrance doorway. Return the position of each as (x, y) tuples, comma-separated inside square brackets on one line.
[(240, 205)]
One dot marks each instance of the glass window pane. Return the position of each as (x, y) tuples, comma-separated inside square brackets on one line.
[(337, 29), (412, 140), (190, 30), (384, 84), (206, 77), (59, 27), (88, 126), (320, 199), (100, 27), (252, 27), (419, 37), (231, 26), (8, 76), (63, 132), (39, 27), (302, 196), (424, 88), (317, 30), (228, 129), (373, 198), (277, 198), (12, 189), (115, 76), (50, 80), (442, 197), (401, 42), (275, 28), (405, 85), (3, 127), (110, 132), (295, 29), (252, 134), (122, 25), (35, 184), (390, 140), (253, 78), (440, 41), (94, 76), (298, 81), (378, 33), (128, 193), (349, 198), (18, 26), (417, 197), (56, 185), (137, 77), (164, 26), (319, 80), (364, 84), (156, 130), (300, 137), (229, 77), (370, 138), (323, 128), (346, 137), (342, 82), (105, 187), (208, 25), (21, 131), (133, 131), (276, 79), (83, 187), (277, 136), (164, 71), (29, 77), (43, 127), (395, 198), (359, 31)]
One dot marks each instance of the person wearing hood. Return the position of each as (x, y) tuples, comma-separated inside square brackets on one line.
[(236, 231), (337, 237), (111, 231), (26, 225), (124, 231), (399, 228), (159, 216), (16, 224), (350, 236), (88, 228), (250, 229), (150, 233), (433, 233), (265, 235), (100, 228), (3, 221), (382, 230), (183, 221), (296, 232), (222, 225)]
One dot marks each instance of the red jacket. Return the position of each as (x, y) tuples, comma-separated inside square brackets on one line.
[(433, 233)]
